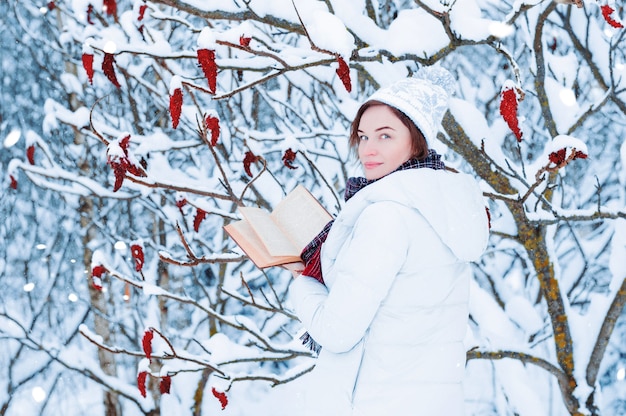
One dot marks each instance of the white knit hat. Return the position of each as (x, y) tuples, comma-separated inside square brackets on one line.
[(423, 98)]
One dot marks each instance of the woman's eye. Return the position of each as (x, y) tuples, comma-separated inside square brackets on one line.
[(385, 136), (362, 138)]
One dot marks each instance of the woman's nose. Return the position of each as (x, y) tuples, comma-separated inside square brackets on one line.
[(369, 147)]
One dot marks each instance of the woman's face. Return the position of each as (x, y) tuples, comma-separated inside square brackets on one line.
[(384, 142)]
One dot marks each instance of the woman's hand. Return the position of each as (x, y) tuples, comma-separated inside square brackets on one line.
[(296, 268)]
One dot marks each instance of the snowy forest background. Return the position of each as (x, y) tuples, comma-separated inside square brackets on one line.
[(132, 130)]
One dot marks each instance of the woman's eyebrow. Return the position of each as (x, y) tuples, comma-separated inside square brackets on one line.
[(380, 128)]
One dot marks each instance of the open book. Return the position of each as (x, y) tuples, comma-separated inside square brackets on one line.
[(272, 239)]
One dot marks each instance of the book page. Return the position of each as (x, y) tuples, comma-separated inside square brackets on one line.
[(276, 243), (301, 217), (246, 238), (278, 238)]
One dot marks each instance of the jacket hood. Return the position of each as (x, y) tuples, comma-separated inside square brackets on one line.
[(452, 203)]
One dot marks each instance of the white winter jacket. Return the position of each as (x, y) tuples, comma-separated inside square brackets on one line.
[(393, 314)]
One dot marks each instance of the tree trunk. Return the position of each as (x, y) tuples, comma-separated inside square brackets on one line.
[(99, 307)]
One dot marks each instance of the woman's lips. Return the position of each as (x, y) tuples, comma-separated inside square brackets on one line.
[(371, 165)]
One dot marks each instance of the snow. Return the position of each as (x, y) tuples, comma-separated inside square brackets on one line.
[(327, 31), (566, 111), (176, 83), (411, 25), (208, 5), (412, 32), (564, 141), (159, 141), (521, 389), (495, 325), (563, 67), (57, 112), (152, 289), (12, 138), (224, 350), (524, 314), (31, 138), (467, 22), (84, 329), (71, 83), (50, 123), (206, 39), (474, 123)]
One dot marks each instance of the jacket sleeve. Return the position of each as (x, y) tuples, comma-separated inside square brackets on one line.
[(365, 270)]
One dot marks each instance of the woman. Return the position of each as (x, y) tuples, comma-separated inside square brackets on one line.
[(386, 293)]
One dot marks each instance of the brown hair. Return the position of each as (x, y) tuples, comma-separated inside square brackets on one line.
[(418, 142)]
